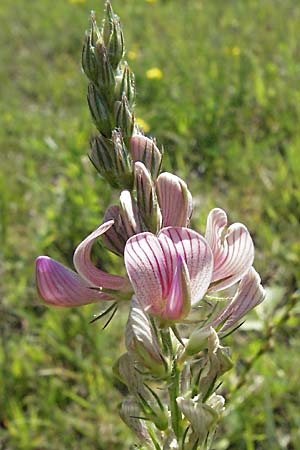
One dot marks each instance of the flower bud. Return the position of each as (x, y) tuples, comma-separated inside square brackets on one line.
[(105, 76), (115, 238), (141, 341), (113, 36), (198, 341), (145, 150), (201, 416), (130, 215), (146, 198), (129, 413), (125, 371), (99, 111), (88, 59), (122, 160), (124, 118), (125, 85), (224, 357)]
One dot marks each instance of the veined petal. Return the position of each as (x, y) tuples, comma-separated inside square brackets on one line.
[(233, 250), (175, 200), (145, 264), (87, 270), (249, 294), (144, 149), (196, 254), (178, 302), (59, 286)]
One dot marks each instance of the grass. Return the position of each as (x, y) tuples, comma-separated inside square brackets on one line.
[(227, 110)]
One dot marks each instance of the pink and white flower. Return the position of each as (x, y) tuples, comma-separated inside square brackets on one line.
[(61, 286), (169, 272)]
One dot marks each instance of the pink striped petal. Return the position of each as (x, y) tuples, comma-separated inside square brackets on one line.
[(87, 270), (178, 302), (233, 249), (163, 268), (174, 199), (144, 261), (249, 294), (144, 149), (196, 253), (59, 286)]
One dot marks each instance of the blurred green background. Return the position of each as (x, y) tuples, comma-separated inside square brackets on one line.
[(223, 98)]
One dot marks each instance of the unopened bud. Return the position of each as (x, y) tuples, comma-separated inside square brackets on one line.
[(145, 150), (99, 111), (130, 215), (113, 36), (141, 341), (89, 64), (224, 357), (124, 118), (146, 198), (105, 76), (125, 85), (115, 238), (130, 412), (198, 341), (200, 416)]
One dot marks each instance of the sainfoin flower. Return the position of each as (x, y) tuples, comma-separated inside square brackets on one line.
[(60, 286), (171, 272)]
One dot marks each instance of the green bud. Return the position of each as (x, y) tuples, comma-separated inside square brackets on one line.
[(111, 161), (107, 23), (125, 85), (88, 61), (198, 341), (224, 357), (113, 36), (124, 118), (122, 160), (141, 341), (105, 76), (99, 111), (146, 198)]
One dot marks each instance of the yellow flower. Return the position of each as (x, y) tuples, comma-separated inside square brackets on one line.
[(132, 54), (151, 1), (77, 2), (235, 51), (154, 74), (143, 124)]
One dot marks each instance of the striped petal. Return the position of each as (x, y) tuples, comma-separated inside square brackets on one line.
[(174, 199), (178, 302), (233, 249), (249, 294), (144, 149), (144, 261), (196, 253), (163, 268), (87, 270), (59, 286)]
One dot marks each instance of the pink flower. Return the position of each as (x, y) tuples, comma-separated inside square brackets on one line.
[(169, 272), (60, 286), (232, 249)]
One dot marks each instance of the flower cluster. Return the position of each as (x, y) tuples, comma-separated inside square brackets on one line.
[(175, 276)]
